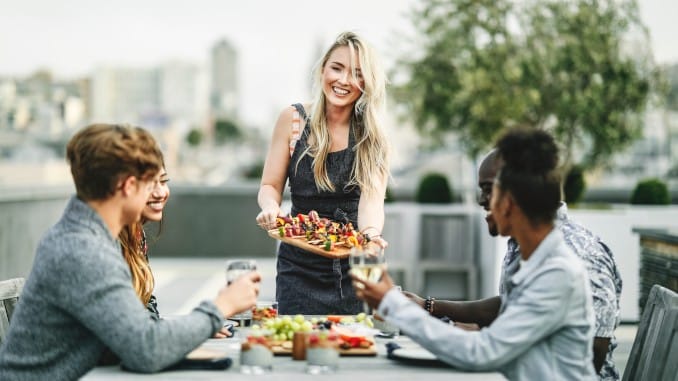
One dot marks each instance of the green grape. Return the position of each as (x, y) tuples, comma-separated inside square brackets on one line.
[(290, 335), (307, 326), (360, 317), (314, 320), (287, 319), (295, 326), (299, 318), (347, 320), (369, 322)]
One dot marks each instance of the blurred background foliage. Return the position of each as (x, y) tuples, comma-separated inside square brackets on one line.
[(563, 66)]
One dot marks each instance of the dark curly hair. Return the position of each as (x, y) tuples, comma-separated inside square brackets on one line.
[(529, 170)]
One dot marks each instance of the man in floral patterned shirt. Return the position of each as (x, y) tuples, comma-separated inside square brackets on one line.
[(605, 280)]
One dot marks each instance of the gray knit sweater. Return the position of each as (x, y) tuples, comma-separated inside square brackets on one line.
[(78, 300)]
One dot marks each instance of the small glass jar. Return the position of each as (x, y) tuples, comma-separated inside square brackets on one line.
[(256, 357), (322, 353)]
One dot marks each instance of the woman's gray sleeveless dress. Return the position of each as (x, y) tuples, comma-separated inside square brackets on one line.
[(308, 283)]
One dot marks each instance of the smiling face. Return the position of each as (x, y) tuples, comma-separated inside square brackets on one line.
[(340, 86), (136, 192), (157, 199)]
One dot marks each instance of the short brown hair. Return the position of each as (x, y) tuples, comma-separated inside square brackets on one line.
[(100, 155)]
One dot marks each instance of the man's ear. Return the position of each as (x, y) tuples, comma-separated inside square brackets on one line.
[(127, 185)]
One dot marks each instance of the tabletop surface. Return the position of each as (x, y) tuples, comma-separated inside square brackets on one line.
[(285, 368)]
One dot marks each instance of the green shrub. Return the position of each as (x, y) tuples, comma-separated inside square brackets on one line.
[(389, 195), (434, 189), (194, 137), (651, 192), (574, 185), (254, 171)]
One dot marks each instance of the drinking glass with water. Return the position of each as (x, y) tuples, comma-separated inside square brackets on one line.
[(234, 270)]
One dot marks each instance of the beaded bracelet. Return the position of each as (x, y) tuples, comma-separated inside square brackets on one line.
[(429, 303), (370, 237)]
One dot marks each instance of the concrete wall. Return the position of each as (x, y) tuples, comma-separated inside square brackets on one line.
[(212, 222), (199, 222), (25, 215), (615, 226)]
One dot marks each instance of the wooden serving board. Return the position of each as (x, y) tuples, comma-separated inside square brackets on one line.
[(205, 354), (285, 349), (301, 242)]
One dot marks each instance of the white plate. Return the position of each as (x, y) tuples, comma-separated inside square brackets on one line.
[(414, 354)]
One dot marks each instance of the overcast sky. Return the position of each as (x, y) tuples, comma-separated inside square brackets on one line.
[(277, 40)]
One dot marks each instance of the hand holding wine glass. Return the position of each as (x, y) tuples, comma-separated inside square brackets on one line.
[(370, 292), (368, 264)]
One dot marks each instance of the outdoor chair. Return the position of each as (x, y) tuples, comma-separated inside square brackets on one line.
[(9, 295), (655, 348)]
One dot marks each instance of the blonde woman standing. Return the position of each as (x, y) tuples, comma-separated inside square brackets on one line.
[(334, 154)]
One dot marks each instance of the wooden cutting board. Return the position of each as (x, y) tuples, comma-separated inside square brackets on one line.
[(301, 242), (284, 348)]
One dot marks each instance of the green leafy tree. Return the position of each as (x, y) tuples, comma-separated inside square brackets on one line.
[(672, 93), (463, 76), (592, 95), (560, 67)]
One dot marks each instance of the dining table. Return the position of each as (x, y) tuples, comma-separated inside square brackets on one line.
[(350, 368)]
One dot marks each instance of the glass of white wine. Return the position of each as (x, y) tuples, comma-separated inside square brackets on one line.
[(367, 263)]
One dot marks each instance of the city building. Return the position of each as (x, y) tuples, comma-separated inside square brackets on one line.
[(224, 80)]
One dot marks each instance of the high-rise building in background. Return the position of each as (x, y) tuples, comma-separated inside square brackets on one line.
[(124, 95), (224, 91), (181, 95)]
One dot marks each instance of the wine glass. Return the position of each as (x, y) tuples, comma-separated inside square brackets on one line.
[(234, 270), (367, 263)]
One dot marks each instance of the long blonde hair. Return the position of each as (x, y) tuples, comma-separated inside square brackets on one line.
[(142, 277), (372, 152)]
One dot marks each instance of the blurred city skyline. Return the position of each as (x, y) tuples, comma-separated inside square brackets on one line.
[(192, 68), (276, 42)]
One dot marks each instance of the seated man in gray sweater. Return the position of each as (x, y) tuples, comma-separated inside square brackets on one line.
[(78, 299)]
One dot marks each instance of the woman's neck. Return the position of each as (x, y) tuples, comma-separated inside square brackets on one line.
[(110, 213), (530, 236), (338, 115)]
